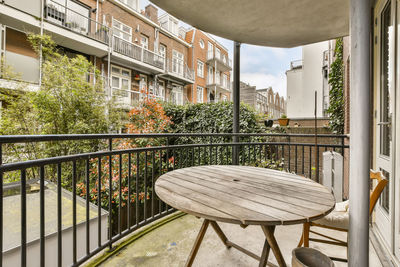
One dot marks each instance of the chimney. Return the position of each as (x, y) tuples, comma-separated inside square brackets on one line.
[(152, 13)]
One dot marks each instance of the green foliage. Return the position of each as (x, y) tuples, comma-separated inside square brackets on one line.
[(283, 116), (210, 118), (70, 100), (336, 101)]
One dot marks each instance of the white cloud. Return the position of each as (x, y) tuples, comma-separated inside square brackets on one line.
[(263, 80)]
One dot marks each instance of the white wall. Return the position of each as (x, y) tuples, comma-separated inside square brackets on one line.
[(300, 90), (294, 93)]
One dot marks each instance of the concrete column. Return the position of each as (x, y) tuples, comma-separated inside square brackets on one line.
[(236, 100), (360, 34)]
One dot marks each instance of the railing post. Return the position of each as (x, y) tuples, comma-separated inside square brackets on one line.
[(236, 102), (110, 193)]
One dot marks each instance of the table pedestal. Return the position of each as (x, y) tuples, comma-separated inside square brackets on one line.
[(269, 243)]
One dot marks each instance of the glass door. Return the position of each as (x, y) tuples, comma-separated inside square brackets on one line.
[(384, 128)]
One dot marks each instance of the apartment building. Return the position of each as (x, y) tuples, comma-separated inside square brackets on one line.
[(264, 101), (137, 52), (306, 76), (212, 66)]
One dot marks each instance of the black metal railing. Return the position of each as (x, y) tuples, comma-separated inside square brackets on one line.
[(109, 180), (81, 23)]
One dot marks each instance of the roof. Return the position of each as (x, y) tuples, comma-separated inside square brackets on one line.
[(283, 23), (12, 215)]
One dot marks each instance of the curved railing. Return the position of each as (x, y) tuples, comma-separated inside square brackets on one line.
[(61, 172)]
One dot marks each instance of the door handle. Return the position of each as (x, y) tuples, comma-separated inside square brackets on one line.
[(384, 123)]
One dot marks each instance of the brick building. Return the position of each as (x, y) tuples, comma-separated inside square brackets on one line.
[(137, 52), (264, 100), (212, 66)]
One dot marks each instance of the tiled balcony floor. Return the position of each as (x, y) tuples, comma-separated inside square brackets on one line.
[(170, 244)]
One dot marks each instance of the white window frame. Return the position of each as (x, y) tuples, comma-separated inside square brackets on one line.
[(121, 92), (210, 76), (144, 44), (135, 5), (210, 50), (177, 95), (225, 80), (217, 53), (200, 68), (200, 94), (177, 62), (160, 90), (217, 77), (160, 48), (120, 30)]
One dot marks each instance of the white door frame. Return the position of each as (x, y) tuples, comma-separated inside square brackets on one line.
[(385, 219)]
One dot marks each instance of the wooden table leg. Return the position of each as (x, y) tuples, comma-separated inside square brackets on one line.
[(269, 234), (264, 254), (197, 243), (219, 232)]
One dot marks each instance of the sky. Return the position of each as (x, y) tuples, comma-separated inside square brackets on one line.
[(259, 66)]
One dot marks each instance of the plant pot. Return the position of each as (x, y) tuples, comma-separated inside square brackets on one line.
[(309, 257), (283, 122), (268, 123)]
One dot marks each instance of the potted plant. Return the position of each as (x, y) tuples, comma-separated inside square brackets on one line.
[(283, 120)]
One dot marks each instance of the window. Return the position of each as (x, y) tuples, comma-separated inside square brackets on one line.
[(210, 78), (224, 98), (162, 50), (225, 81), (385, 81), (200, 94), (210, 50), (144, 41), (76, 18), (130, 3), (384, 200), (160, 89), (120, 81), (217, 53), (200, 69), (177, 62), (201, 43), (173, 26), (122, 31), (217, 77), (177, 95), (143, 86)]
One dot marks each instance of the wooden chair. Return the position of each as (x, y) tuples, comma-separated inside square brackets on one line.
[(339, 219)]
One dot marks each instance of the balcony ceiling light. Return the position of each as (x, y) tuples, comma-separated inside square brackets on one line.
[(278, 23)]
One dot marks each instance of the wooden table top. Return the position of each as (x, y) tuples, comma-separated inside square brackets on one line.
[(245, 195)]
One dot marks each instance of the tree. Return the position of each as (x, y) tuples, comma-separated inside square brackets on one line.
[(70, 100), (336, 101)]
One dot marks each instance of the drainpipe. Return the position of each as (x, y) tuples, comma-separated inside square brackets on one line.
[(236, 100), (360, 34), (97, 14)]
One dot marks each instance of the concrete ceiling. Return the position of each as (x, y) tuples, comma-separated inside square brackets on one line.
[(277, 23)]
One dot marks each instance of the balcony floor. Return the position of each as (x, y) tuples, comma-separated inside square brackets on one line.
[(170, 244)]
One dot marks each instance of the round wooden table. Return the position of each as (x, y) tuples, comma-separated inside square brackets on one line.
[(246, 196)]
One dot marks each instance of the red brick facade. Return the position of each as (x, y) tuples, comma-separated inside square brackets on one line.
[(198, 53)]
